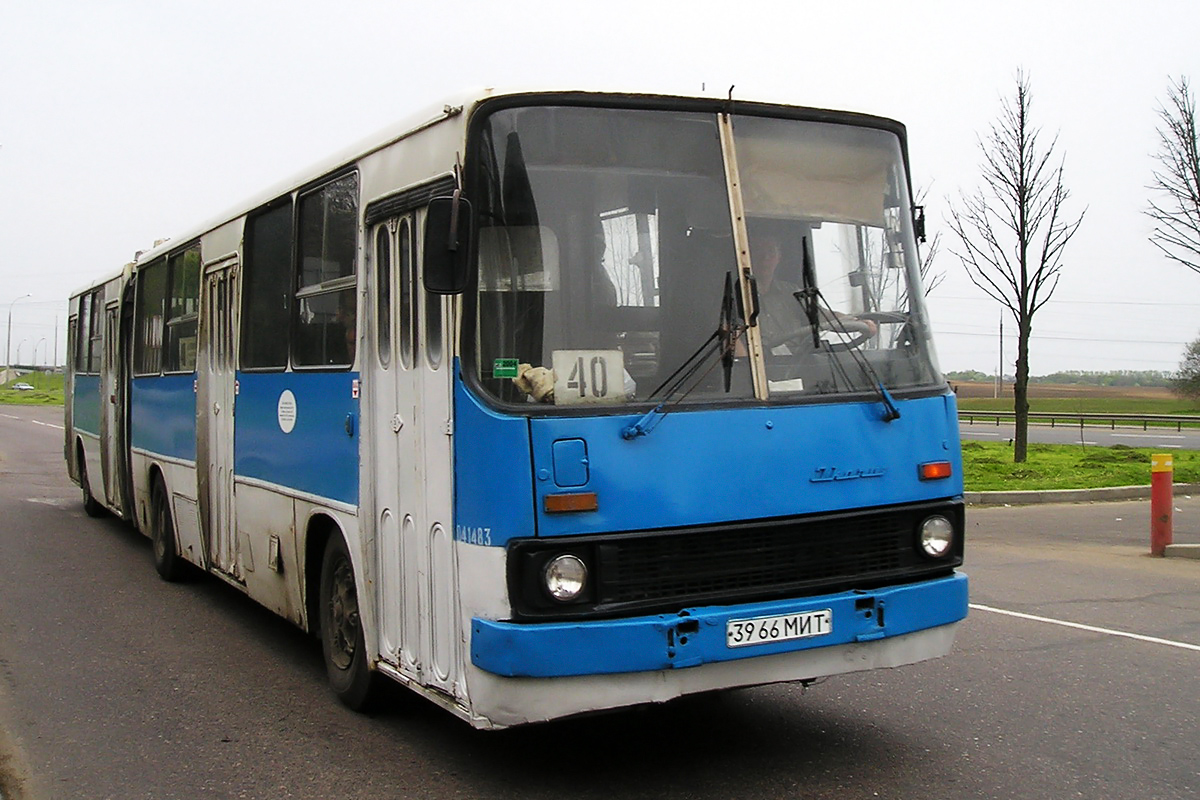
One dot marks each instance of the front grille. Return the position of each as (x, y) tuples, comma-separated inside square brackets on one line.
[(741, 562)]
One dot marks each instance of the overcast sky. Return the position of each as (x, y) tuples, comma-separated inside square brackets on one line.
[(125, 122)]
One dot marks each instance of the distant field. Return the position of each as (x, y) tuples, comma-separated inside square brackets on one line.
[(1077, 399)]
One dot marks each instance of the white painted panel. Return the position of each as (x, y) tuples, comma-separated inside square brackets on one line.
[(389, 585), (409, 562), (187, 526), (262, 513), (443, 624)]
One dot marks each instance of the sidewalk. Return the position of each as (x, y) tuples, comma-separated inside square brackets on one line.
[(1091, 496)]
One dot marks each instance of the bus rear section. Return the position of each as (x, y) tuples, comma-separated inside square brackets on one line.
[(700, 437), (96, 391)]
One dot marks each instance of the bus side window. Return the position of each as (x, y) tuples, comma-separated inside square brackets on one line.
[(408, 297), (326, 297), (183, 307), (266, 288), (80, 351), (96, 339), (433, 328), (72, 338), (148, 318), (383, 294)]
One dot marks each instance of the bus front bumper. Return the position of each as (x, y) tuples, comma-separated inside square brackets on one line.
[(702, 635)]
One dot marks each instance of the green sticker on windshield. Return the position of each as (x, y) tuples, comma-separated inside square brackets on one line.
[(504, 368)]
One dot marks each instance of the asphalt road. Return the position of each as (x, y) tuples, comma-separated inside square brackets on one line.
[(114, 684), (1091, 435)]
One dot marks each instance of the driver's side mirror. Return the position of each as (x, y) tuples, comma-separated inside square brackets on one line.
[(448, 227)]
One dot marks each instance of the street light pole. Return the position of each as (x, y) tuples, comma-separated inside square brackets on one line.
[(8, 344)]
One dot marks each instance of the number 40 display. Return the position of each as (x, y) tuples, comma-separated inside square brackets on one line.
[(584, 377)]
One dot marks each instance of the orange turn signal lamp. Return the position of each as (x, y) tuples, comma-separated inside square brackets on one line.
[(579, 501), (933, 470)]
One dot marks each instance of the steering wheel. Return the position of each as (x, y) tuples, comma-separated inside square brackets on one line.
[(860, 330)]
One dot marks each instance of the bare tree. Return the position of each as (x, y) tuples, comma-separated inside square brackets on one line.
[(1177, 213), (929, 280), (1012, 232), (1186, 382)]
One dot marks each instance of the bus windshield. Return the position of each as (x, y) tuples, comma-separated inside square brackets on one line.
[(606, 239)]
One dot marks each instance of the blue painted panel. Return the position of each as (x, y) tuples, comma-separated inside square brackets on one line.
[(164, 415), (722, 465), (570, 462), (320, 454), (85, 404), (493, 492), (697, 636)]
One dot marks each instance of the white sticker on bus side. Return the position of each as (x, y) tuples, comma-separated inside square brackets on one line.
[(286, 411)]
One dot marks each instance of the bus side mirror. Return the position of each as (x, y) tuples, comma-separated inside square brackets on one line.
[(448, 227)]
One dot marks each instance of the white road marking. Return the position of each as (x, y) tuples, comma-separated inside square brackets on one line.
[(1150, 435), (34, 421), (1090, 628)]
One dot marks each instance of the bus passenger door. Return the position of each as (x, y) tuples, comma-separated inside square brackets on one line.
[(393, 444), (215, 400), (411, 475), (434, 389), (111, 404)]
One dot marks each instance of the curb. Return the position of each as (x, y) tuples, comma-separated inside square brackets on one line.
[(1069, 495)]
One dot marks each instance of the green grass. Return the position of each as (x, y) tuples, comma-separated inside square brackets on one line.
[(988, 466), (48, 390), (1087, 405)]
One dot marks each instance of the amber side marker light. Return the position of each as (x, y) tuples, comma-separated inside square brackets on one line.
[(582, 501), (934, 470)]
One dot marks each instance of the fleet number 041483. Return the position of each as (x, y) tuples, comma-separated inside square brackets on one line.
[(763, 630)]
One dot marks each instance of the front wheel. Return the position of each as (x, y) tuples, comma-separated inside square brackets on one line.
[(342, 640)]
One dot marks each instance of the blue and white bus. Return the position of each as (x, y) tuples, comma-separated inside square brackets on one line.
[(549, 402)]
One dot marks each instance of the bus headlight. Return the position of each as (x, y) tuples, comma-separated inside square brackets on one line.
[(936, 536), (565, 577)]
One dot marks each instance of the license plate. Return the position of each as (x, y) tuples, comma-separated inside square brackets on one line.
[(764, 630)]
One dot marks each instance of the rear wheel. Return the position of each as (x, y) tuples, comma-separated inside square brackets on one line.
[(342, 640), (162, 536), (91, 506)]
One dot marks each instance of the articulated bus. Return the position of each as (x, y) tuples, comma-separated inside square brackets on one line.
[(549, 402)]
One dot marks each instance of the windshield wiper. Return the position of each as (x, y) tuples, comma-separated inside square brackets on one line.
[(722, 341), (808, 294), (811, 299)]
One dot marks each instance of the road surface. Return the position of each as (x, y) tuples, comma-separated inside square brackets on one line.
[(114, 684)]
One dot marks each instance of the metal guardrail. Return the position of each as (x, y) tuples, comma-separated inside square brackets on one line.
[(1081, 419)]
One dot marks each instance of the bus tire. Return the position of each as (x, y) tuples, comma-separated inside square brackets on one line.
[(342, 640), (162, 536), (91, 506)]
